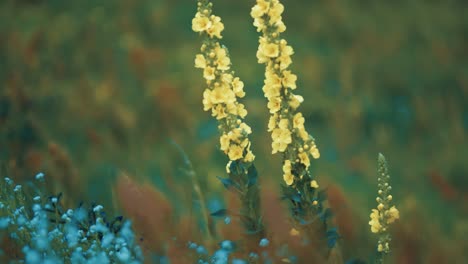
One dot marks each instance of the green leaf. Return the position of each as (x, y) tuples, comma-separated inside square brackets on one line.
[(228, 183), (220, 213), (252, 176)]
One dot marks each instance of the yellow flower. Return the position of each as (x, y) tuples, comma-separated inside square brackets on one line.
[(245, 143), (209, 73), (283, 123), (280, 26), (200, 61), (226, 79), (261, 56), (222, 60), (270, 50), (237, 87), (287, 166), (241, 111), (257, 11), (207, 104), (315, 152), (281, 139), (235, 152), (223, 95), (275, 12), (288, 178), (285, 58), (216, 28), (295, 101), (271, 78), (245, 128), (200, 23), (314, 184), (223, 63), (286, 50), (274, 104), (271, 91), (380, 207), (262, 7), (249, 157), (303, 133), (224, 141), (294, 232), (289, 79), (235, 135), (374, 222), (272, 122), (392, 214), (304, 157), (298, 120), (231, 108), (219, 112), (380, 248)]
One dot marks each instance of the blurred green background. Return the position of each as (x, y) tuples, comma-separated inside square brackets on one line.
[(90, 88)]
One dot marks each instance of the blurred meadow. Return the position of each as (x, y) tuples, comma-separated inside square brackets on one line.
[(94, 90)]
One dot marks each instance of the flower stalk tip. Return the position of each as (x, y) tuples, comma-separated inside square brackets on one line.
[(385, 213)]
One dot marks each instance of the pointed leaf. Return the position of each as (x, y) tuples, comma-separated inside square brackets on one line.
[(252, 176), (234, 167), (228, 183), (220, 213)]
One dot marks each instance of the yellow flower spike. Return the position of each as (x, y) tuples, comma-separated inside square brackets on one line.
[(223, 88), (286, 124), (385, 214)]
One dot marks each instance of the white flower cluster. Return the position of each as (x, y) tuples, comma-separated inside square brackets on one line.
[(48, 234)]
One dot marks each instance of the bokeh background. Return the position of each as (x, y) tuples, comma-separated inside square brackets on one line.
[(89, 89)]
